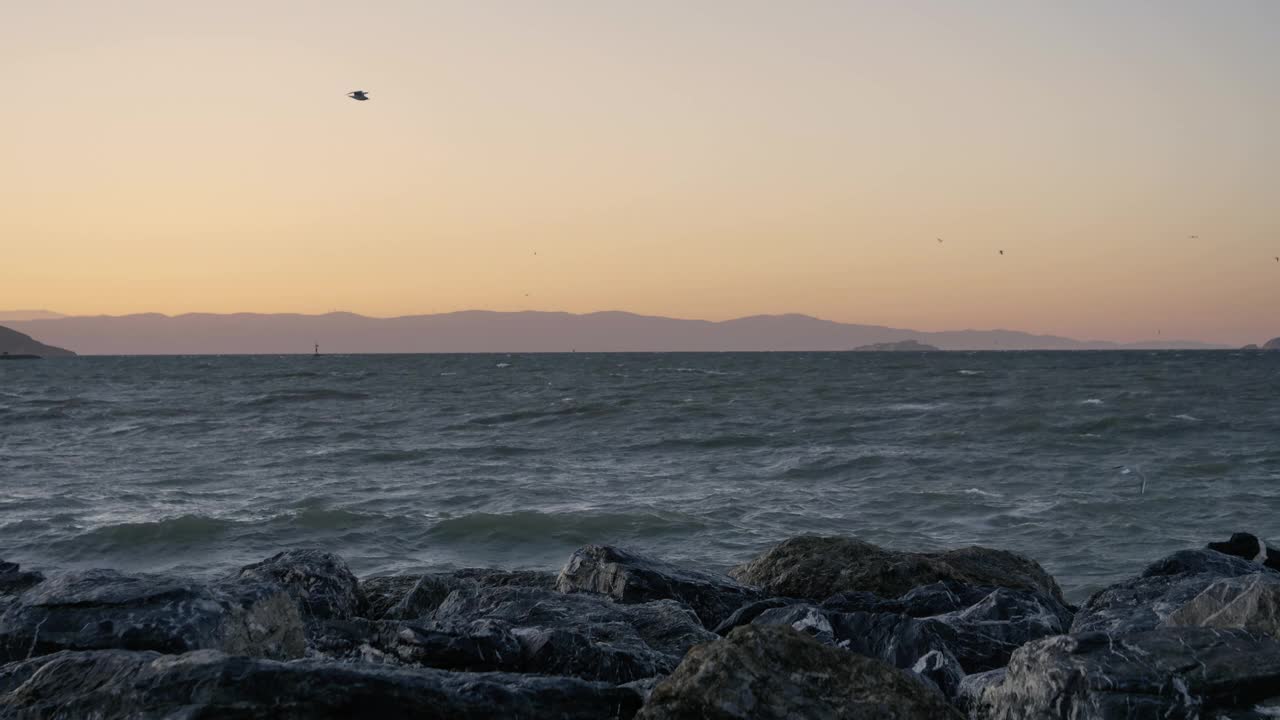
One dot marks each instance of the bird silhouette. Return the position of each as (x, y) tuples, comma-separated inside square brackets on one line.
[(1001, 252), (939, 239), (360, 95), (1194, 237), (1277, 258)]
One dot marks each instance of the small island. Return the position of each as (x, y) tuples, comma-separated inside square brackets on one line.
[(901, 346)]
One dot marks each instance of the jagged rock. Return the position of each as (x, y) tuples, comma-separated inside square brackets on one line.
[(979, 637), (631, 578), (1144, 602), (941, 669), (968, 694), (745, 614), (320, 582), (408, 597), (113, 684), (1249, 547), (583, 635), (924, 601), (13, 579), (1247, 602), (98, 609), (383, 592), (763, 672), (1167, 673), (478, 645), (816, 568)]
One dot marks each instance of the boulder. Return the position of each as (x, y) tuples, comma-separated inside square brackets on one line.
[(409, 597), (631, 578), (113, 684), (1249, 547), (767, 672), (749, 612), (320, 582), (924, 601), (13, 579), (478, 645), (581, 635), (1246, 602), (99, 609), (1179, 673), (980, 637), (815, 568), (1143, 603)]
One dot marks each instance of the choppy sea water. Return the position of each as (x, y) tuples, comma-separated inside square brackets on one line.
[(416, 462)]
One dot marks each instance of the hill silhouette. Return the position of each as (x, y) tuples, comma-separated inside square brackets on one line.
[(486, 331), (13, 342)]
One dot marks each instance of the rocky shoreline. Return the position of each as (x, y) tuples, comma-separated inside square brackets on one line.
[(814, 628)]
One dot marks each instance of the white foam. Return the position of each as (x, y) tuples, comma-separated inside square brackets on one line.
[(1188, 418), (502, 365), (969, 372), (984, 493), (1091, 401)]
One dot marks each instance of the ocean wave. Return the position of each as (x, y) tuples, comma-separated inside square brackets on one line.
[(969, 372), (571, 527), (176, 531), (303, 396), (587, 409), (731, 440), (1091, 401)]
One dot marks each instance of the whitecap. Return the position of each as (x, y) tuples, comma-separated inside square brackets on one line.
[(969, 372), (502, 365), (1188, 418), (1091, 401), (983, 493)]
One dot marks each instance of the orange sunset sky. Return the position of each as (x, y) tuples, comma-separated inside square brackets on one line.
[(691, 159)]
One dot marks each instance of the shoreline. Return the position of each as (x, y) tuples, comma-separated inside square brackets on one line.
[(970, 632)]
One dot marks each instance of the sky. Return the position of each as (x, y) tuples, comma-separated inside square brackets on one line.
[(690, 159)]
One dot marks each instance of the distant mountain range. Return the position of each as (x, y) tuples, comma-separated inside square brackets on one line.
[(485, 331), (14, 343)]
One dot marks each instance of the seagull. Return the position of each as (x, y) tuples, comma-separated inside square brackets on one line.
[(1001, 252), (939, 239), (1278, 258), (1194, 237), (360, 95)]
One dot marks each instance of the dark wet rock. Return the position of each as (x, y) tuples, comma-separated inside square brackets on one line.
[(924, 601), (815, 568), (409, 597), (13, 579), (383, 592), (968, 694), (98, 609), (631, 578), (320, 582), (351, 640), (941, 669), (477, 645), (1167, 673), (1246, 602), (766, 672), (113, 684), (1143, 603), (583, 635), (645, 686), (1249, 547), (745, 614), (979, 637)]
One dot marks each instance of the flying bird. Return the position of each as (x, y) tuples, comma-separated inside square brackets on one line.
[(1194, 237), (939, 239), (1001, 252), (1278, 259), (360, 95)]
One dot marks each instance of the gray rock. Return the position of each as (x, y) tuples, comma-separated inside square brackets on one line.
[(409, 597), (1247, 602), (631, 578), (583, 635), (13, 579), (749, 612), (815, 568), (968, 694), (767, 672), (924, 601), (478, 645), (978, 638), (1167, 673), (1144, 603), (98, 609), (320, 582), (111, 685)]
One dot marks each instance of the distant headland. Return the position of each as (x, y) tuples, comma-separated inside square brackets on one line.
[(480, 331), (19, 346)]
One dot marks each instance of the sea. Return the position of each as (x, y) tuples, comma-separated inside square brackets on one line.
[(1092, 463)]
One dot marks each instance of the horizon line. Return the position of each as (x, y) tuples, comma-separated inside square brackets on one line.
[(62, 316)]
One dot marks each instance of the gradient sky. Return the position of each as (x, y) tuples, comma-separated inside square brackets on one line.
[(692, 159)]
